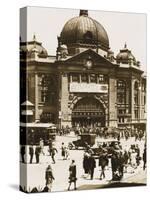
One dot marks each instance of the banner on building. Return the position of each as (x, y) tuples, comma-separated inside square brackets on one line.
[(89, 87)]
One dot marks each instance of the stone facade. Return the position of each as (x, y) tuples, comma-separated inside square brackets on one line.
[(115, 86)]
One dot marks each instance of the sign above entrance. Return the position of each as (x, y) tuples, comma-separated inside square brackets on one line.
[(88, 87)]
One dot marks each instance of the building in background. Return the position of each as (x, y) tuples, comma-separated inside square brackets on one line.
[(85, 84)]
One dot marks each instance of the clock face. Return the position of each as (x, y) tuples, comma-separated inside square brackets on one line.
[(89, 63)]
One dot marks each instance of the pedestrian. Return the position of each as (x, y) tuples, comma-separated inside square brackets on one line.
[(49, 178), (72, 174), (53, 152), (103, 162), (37, 153), (41, 144), (114, 165), (67, 153), (144, 158), (63, 153), (92, 165), (22, 151), (133, 159), (86, 163), (50, 146), (121, 164), (31, 153), (137, 150), (126, 160)]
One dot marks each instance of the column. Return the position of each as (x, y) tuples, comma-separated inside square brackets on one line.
[(112, 102), (140, 101), (36, 98), (70, 78), (65, 113), (89, 78), (80, 78), (132, 100)]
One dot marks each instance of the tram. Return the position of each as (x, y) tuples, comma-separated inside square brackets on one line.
[(32, 133)]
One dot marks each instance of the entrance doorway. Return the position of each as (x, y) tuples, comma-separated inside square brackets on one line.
[(88, 112)]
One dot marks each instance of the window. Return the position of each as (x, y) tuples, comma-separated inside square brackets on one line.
[(121, 111), (121, 92), (75, 78), (88, 35), (136, 93), (47, 117), (144, 99), (121, 84), (47, 89), (121, 119), (93, 78), (121, 98), (136, 114), (100, 78), (84, 78)]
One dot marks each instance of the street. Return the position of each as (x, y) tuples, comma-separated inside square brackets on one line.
[(36, 172)]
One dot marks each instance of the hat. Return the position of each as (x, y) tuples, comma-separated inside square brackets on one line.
[(49, 167)]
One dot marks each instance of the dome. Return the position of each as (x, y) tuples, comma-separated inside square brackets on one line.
[(125, 55), (84, 30), (33, 46)]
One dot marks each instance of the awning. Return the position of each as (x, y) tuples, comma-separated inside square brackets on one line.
[(27, 112), (27, 103), (37, 125)]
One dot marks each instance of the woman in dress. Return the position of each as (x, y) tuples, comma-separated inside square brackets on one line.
[(133, 159), (49, 178)]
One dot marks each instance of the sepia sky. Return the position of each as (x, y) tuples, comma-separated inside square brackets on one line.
[(47, 24)]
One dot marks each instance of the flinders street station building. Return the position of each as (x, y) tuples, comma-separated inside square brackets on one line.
[(84, 84)]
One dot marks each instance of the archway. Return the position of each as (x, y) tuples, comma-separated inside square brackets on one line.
[(88, 112)]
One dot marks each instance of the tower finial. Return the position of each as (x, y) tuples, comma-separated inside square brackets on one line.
[(34, 37), (83, 12), (125, 45)]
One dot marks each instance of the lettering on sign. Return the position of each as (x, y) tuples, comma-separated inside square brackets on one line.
[(89, 87)]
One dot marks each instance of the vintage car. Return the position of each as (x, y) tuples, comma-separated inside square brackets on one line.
[(84, 141)]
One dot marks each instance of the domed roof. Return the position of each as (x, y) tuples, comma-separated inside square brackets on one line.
[(85, 30), (125, 55), (33, 46)]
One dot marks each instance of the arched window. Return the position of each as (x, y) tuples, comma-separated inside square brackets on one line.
[(47, 89), (136, 92), (121, 92)]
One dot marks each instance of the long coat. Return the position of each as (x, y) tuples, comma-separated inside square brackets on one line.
[(92, 163), (49, 177), (31, 150), (86, 163), (72, 173), (103, 160)]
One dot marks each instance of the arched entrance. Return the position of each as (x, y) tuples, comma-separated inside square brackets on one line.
[(88, 112)]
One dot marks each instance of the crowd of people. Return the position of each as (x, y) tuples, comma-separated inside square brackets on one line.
[(118, 159), (104, 132), (38, 150), (114, 158)]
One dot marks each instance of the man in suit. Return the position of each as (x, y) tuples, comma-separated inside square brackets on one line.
[(37, 153), (23, 151), (53, 152), (31, 153), (92, 165)]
